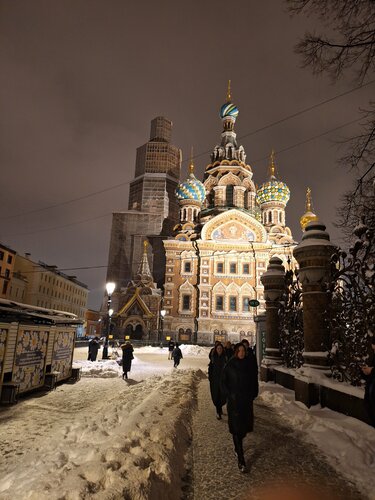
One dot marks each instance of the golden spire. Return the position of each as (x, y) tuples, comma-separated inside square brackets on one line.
[(272, 166), (191, 164), (145, 245), (308, 200), (229, 96), (309, 215)]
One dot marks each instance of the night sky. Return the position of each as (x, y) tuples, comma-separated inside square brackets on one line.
[(80, 81)]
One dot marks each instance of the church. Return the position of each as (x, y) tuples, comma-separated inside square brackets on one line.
[(207, 266), (227, 232)]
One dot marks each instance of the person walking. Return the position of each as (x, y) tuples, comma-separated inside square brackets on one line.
[(170, 348), (94, 347), (240, 385), (228, 348), (215, 369), (127, 357), (369, 376), (176, 355)]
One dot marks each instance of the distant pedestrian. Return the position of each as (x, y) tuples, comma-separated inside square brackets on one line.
[(217, 342), (215, 370), (240, 384), (176, 355), (170, 348), (127, 357), (94, 347), (229, 351), (369, 375)]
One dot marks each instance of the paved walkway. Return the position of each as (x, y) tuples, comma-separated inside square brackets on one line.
[(274, 451)]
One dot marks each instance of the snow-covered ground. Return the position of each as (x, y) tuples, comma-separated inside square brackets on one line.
[(106, 438), (348, 443)]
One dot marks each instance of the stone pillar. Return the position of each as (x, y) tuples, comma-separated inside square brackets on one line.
[(239, 196), (220, 196), (313, 255), (273, 282)]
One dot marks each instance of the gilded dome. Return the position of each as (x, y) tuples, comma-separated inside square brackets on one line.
[(309, 215)]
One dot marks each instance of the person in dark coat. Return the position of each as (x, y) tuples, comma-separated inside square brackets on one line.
[(215, 369), (240, 384), (127, 357), (369, 376), (170, 348), (228, 348), (210, 354), (94, 347), (176, 356)]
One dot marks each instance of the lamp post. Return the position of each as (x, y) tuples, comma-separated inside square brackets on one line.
[(110, 288), (163, 312)]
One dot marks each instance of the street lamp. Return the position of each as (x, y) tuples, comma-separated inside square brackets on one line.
[(110, 288), (163, 312)]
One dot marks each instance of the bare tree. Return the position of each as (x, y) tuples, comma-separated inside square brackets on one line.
[(346, 44)]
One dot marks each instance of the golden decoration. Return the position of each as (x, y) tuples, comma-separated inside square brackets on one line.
[(229, 96), (309, 215)]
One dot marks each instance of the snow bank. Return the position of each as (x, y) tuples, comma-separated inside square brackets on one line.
[(187, 350), (100, 439), (348, 444)]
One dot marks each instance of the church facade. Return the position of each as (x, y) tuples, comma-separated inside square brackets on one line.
[(226, 234)]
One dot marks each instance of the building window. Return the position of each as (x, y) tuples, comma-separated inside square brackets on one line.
[(187, 267), (246, 304), (1, 255), (233, 268), (7, 273), (5, 287), (9, 260), (219, 302), (246, 269), (186, 302), (220, 267), (233, 303)]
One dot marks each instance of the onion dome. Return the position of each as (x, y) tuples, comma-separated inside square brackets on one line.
[(229, 110), (273, 190), (192, 189), (309, 215)]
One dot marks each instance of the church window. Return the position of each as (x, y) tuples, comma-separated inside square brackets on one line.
[(220, 267), (233, 303), (186, 302), (187, 267), (269, 216), (246, 304), (219, 302), (246, 269), (280, 217), (233, 268)]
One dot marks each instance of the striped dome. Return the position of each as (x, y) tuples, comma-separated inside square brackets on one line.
[(229, 110), (273, 190), (191, 189)]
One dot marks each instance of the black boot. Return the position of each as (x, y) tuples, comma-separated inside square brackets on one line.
[(239, 452)]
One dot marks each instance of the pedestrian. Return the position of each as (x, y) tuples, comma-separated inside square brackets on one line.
[(176, 355), (170, 348), (369, 375), (215, 370), (229, 351), (240, 384), (217, 342), (127, 357), (94, 347)]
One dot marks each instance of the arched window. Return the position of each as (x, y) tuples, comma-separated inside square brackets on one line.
[(269, 217)]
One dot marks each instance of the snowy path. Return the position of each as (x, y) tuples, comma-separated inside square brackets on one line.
[(272, 451), (145, 439)]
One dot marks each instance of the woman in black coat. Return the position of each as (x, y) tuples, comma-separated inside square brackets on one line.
[(127, 357), (215, 369), (240, 383)]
